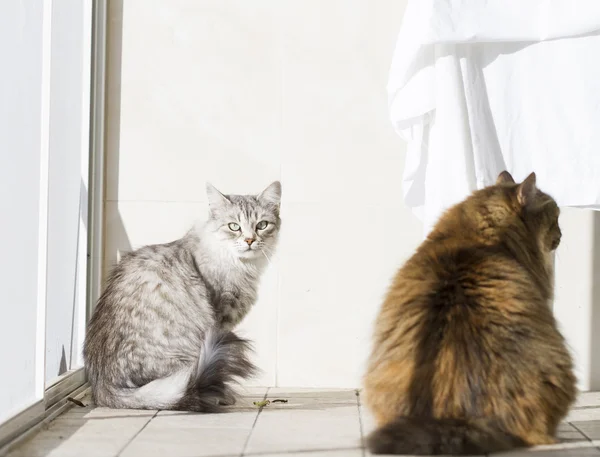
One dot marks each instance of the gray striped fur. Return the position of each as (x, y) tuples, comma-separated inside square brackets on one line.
[(161, 334)]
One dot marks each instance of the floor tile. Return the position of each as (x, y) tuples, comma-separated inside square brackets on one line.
[(84, 432), (311, 423), (587, 399), (310, 399), (193, 435), (583, 449), (591, 429), (109, 413), (310, 391), (566, 433), (330, 453), (583, 414), (304, 428)]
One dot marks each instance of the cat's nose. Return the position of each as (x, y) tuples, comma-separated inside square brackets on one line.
[(249, 241)]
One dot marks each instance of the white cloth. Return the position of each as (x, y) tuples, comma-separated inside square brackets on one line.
[(479, 86)]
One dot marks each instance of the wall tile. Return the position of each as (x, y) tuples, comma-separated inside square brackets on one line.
[(200, 99), (336, 265)]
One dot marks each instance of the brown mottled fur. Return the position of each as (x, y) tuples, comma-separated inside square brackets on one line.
[(467, 357)]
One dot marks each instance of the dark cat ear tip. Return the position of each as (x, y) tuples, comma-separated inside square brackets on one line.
[(527, 189), (530, 181), (532, 176), (505, 177)]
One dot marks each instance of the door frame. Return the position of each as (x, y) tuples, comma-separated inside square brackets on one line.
[(72, 384)]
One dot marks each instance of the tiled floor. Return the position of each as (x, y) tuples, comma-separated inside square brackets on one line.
[(313, 423)]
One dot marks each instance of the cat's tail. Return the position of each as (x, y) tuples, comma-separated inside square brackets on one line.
[(223, 361), (428, 436), (207, 387)]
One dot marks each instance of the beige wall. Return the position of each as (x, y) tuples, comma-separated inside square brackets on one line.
[(240, 93), (244, 92)]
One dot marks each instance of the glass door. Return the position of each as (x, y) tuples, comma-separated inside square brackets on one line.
[(51, 121), (69, 144)]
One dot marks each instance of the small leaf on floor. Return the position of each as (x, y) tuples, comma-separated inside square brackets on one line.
[(75, 401)]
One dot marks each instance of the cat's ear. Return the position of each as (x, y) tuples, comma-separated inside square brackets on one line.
[(527, 190), (215, 198), (505, 178), (272, 194)]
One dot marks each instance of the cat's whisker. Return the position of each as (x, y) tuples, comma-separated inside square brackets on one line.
[(272, 253), (266, 256)]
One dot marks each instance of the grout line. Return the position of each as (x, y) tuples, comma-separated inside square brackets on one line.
[(253, 424), (279, 32), (579, 408), (360, 423), (308, 452), (577, 428), (582, 433), (137, 434)]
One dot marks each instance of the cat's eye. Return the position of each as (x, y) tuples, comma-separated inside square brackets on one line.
[(262, 225), (234, 227)]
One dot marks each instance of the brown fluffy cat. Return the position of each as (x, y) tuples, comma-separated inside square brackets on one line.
[(467, 357)]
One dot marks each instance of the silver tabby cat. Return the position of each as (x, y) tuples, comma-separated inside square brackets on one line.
[(160, 336)]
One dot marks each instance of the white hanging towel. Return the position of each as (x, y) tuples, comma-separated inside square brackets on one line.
[(479, 86)]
